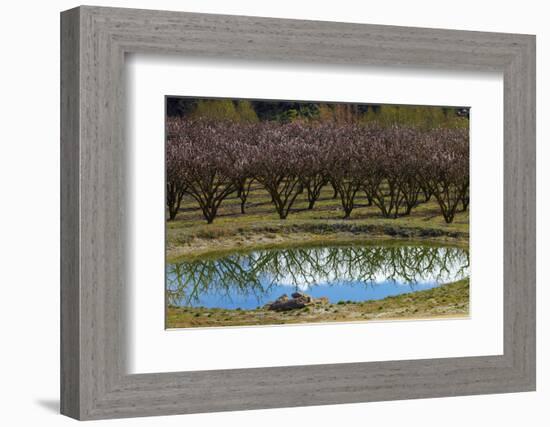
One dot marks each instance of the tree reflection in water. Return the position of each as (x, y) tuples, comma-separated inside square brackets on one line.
[(260, 273)]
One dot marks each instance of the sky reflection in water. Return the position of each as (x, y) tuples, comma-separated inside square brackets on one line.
[(340, 273)]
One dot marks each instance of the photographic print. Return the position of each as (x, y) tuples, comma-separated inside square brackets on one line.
[(296, 212)]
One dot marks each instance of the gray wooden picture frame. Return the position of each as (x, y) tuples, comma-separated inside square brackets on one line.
[(94, 382)]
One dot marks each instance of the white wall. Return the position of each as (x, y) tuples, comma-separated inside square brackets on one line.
[(29, 225)]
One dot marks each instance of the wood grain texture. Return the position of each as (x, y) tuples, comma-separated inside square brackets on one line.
[(94, 238), (70, 260)]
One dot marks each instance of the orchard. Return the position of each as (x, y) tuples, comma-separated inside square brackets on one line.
[(395, 168)]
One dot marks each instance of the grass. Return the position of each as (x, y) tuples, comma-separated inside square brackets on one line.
[(189, 237), (446, 301), (260, 227)]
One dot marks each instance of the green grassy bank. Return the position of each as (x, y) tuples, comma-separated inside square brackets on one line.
[(446, 301), (260, 227)]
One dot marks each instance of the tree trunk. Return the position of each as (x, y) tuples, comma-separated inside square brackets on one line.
[(172, 212), (369, 199), (465, 203)]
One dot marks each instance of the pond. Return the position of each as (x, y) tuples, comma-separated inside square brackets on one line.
[(340, 273)]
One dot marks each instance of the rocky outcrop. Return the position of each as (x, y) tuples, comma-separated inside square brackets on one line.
[(298, 300)]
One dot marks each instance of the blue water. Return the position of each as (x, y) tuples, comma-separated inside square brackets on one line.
[(340, 273), (334, 292)]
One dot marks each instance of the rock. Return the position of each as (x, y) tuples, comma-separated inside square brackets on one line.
[(298, 300), (282, 298), (300, 296), (321, 301)]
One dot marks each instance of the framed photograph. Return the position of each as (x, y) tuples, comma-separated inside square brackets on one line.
[(285, 212), (261, 213)]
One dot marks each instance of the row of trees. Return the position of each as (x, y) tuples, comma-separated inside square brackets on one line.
[(395, 168)]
